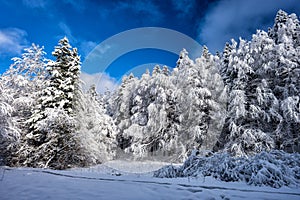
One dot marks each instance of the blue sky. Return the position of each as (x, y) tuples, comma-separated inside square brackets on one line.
[(89, 22)]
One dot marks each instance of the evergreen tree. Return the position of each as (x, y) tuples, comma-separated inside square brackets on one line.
[(50, 142), (244, 132), (64, 78), (286, 82), (263, 81)]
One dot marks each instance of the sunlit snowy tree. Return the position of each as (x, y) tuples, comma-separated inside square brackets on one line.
[(170, 113), (262, 77), (244, 132), (8, 133), (22, 81), (286, 82), (50, 142), (97, 131)]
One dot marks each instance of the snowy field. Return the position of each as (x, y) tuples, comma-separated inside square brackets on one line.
[(125, 180)]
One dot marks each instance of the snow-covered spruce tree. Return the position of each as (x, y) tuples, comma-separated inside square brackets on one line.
[(51, 142), (269, 116), (262, 77), (286, 83), (22, 81), (245, 131)]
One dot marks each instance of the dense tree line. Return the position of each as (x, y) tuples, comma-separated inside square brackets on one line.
[(253, 85), (262, 77), (170, 113), (243, 101)]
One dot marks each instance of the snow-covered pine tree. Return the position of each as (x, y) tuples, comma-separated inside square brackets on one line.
[(263, 81), (245, 129), (286, 83), (155, 105), (224, 65), (266, 102), (50, 142), (64, 78), (212, 80)]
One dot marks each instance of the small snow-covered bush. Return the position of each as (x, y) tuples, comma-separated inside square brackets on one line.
[(169, 171), (275, 168)]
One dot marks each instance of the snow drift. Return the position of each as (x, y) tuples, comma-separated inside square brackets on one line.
[(275, 168)]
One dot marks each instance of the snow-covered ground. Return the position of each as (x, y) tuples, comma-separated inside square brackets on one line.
[(125, 180)]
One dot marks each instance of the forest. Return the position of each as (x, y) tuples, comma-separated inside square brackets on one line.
[(241, 103)]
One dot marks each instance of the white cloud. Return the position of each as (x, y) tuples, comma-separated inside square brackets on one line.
[(35, 3), (102, 81), (12, 41), (86, 47), (103, 48), (67, 31), (234, 18)]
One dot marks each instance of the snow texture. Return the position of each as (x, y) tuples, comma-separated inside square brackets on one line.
[(102, 182), (275, 169)]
